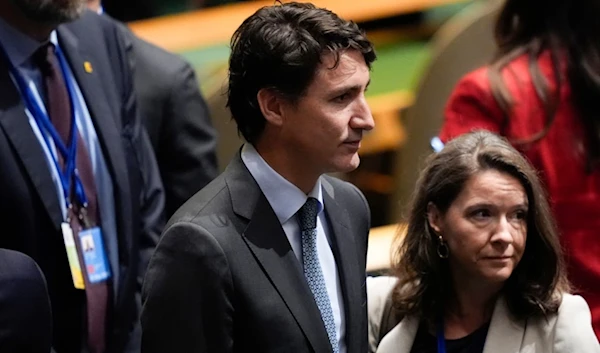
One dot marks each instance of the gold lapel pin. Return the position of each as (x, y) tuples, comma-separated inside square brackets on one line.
[(88, 67)]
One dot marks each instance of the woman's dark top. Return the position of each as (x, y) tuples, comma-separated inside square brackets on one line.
[(425, 342)]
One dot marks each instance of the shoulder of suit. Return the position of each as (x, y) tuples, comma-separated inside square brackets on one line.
[(17, 265), (570, 329), (570, 306), (570, 299), (88, 21), (212, 199), (159, 60), (344, 193), (337, 184), (571, 303), (96, 35)]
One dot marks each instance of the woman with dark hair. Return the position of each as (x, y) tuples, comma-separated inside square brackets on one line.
[(542, 92), (480, 268)]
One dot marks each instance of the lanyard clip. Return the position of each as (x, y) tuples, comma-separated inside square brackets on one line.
[(83, 217), (69, 209)]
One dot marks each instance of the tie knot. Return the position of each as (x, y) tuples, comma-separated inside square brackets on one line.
[(45, 57), (307, 215)]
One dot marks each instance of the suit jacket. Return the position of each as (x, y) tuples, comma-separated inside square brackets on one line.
[(25, 315), (225, 279), (560, 157), (30, 212), (176, 117), (567, 331)]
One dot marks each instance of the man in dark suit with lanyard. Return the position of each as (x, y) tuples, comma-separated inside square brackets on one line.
[(270, 256), (77, 170)]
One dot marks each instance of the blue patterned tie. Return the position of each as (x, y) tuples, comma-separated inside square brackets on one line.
[(307, 217)]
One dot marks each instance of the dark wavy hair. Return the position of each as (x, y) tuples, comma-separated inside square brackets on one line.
[(536, 285), (279, 47), (569, 30)]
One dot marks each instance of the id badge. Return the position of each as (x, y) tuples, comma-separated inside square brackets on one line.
[(94, 256), (76, 273)]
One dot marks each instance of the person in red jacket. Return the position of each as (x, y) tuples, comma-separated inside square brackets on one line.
[(542, 92)]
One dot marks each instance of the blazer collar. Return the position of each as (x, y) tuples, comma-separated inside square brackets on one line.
[(243, 189), (504, 334), (401, 338)]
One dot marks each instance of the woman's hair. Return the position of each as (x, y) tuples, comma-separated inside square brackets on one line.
[(569, 30), (424, 285)]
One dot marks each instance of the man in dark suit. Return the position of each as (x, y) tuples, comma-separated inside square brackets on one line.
[(25, 316), (270, 256), (177, 120), (175, 115), (76, 163)]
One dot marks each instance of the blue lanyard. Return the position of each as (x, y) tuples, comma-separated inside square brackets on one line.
[(44, 124), (441, 340)]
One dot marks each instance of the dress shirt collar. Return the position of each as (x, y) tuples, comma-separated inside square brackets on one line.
[(284, 197), (18, 46)]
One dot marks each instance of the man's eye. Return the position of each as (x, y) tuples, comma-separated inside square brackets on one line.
[(341, 98)]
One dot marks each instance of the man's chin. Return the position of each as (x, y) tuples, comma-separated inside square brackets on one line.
[(349, 165), (52, 13)]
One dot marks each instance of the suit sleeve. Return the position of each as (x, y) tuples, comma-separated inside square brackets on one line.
[(191, 139), (150, 193), (187, 291), (145, 183), (574, 331), (152, 201), (151, 198), (471, 107)]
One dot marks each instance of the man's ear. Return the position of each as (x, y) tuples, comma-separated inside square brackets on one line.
[(270, 104), (434, 217)]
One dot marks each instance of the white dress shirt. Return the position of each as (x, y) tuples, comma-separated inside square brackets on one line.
[(286, 199)]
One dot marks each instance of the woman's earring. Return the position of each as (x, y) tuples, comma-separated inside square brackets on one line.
[(442, 249)]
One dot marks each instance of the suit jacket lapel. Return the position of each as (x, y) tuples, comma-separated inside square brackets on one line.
[(16, 124), (344, 250), (98, 105), (106, 124), (505, 335), (267, 241), (401, 338)]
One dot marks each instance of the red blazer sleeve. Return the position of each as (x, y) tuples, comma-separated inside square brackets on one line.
[(471, 107)]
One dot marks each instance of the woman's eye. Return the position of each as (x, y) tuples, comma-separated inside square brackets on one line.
[(521, 215), (481, 214)]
